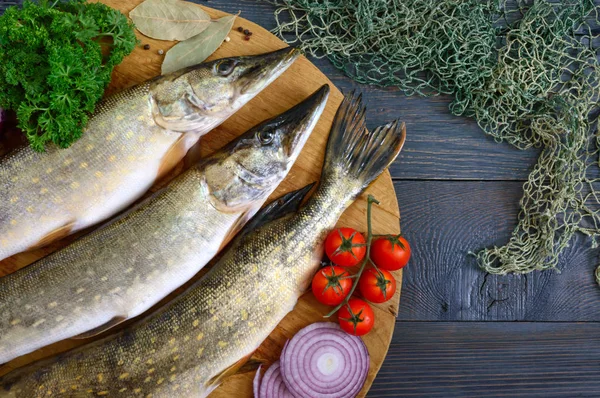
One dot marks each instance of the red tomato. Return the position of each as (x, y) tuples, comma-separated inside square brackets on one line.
[(356, 317), (345, 247), (390, 252), (331, 285), (377, 286)]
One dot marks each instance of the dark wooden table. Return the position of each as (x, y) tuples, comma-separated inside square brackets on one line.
[(460, 332)]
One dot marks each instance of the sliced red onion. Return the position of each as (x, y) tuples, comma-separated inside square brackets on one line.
[(271, 385), (322, 361), (256, 383)]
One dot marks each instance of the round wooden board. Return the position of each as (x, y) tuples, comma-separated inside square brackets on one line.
[(302, 79)]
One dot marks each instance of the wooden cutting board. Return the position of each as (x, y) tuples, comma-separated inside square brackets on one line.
[(302, 79)]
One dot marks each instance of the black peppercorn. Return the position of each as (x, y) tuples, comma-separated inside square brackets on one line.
[(240, 29), (146, 46), (246, 32)]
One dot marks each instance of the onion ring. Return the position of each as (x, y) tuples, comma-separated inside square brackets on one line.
[(322, 361), (271, 385)]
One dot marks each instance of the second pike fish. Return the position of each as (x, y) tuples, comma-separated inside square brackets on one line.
[(119, 271), (187, 347), (132, 139)]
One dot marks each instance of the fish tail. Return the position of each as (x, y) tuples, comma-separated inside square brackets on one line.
[(354, 154)]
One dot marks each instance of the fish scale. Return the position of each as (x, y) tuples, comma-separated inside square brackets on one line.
[(119, 271), (132, 139), (102, 259), (112, 153), (187, 347)]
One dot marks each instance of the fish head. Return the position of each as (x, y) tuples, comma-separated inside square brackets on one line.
[(246, 171), (198, 98)]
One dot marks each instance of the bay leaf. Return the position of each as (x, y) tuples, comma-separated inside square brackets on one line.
[(169, 19), (198, 48)]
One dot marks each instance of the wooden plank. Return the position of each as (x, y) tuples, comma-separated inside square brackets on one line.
[(439, 145), (444, 220), (491, 359)]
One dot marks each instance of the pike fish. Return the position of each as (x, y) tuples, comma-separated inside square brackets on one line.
[(133, 138), (119, 271), (187, 347)]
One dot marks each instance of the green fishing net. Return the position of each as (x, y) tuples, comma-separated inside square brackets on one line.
[(527, 71)]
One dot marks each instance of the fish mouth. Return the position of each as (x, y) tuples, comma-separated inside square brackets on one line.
[(264, 68), (299, 121)]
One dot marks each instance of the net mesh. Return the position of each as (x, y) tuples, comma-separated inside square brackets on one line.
[(527, 71)]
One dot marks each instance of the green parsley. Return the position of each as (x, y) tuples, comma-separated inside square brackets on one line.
[(56, 60)]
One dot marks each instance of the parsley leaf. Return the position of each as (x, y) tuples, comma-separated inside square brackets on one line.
[(56, 60)]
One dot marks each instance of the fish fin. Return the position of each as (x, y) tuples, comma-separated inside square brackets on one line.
[(55, 235), (230, 371), (251, 365), (101, 329), (236, 228), (353, 153), (176, 153), (280, 207)]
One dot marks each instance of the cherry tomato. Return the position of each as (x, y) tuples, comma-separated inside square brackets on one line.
[(390, 252), (356, 317), (377, 286), (345, 247), (331, 285)]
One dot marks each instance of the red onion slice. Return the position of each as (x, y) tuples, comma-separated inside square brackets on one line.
[(256, 382), (322, 361), (271, 385)]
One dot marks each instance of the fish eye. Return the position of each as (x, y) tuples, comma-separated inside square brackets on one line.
[(266, 137), (225, 67)]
